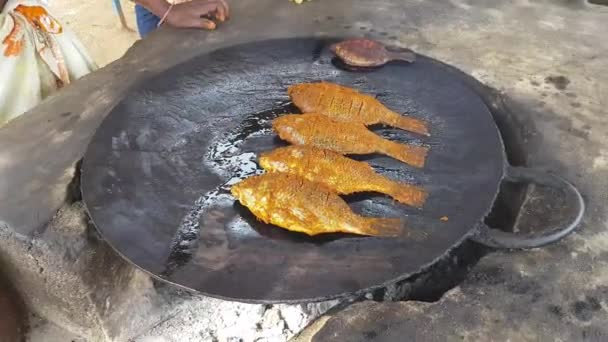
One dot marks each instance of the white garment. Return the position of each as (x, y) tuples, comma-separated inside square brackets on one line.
[(37, 57)]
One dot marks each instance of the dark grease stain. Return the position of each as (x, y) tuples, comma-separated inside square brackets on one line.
[(543, 94), (559, 82), (534, 83), (393, 37), (575, 104), (66, 114), (583, 310), (370, 334), (556, 310), (572, 95), (363, 28), (384, 34), (329, 17), (347, 27)]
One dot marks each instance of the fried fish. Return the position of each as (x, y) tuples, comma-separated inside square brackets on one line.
[(346, 104), (299, 205), (341, 174), (343, 137)]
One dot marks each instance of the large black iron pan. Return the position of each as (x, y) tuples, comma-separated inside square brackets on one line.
[(156, 174)]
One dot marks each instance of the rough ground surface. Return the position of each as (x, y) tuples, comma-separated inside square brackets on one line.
[(97, 26), (549, 56), (11, 314)]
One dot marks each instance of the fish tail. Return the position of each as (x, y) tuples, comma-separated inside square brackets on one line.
[(391, 227), (412, 155), (404, 122), (408, 194)]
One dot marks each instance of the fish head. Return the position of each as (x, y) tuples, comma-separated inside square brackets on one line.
[(247, 190), (299, 88), (284, 120), (273, 165), (283, 159), (287, 123)]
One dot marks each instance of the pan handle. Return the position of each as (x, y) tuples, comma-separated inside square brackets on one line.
[(539, 236)]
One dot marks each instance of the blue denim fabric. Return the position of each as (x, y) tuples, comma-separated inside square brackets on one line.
[(146, 21)]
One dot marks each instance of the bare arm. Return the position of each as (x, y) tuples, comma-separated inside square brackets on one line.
[(2, 3), (192, 14)]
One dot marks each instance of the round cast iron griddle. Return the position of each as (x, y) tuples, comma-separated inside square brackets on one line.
[(160, 165)]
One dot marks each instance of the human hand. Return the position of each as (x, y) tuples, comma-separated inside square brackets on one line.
[(198, 14)]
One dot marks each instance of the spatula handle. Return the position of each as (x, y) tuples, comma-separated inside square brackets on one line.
[(406, 56)]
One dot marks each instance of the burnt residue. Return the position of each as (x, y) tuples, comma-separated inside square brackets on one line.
[(559, 82)]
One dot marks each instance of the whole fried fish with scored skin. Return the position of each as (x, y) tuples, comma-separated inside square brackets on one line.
[(341, 174), (343, 137), (347, 104), (299, 205)]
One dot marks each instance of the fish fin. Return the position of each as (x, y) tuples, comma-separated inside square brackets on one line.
[(383, 227), (412, 155), (410, 124), (408, 194)]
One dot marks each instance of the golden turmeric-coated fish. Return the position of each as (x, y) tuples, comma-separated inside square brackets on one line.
[(343, 137), (341, 174), (347, 104), (299, 205)]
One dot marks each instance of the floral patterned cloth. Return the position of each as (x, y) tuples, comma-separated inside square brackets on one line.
[(37, 57)]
